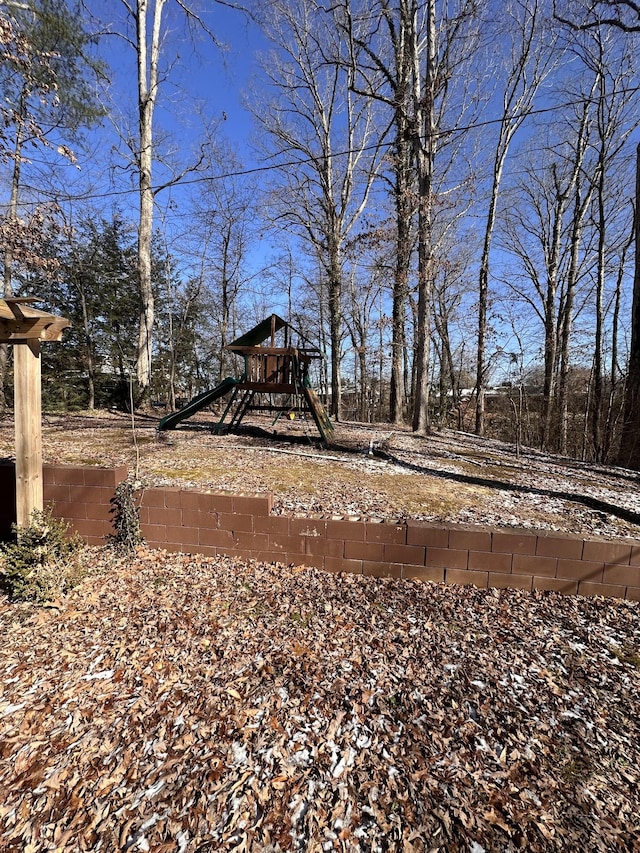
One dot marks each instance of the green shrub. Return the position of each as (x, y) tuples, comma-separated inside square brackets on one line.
[(43, 560)]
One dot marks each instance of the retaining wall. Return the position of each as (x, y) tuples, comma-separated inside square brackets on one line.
[(244, 526), (79, 494)]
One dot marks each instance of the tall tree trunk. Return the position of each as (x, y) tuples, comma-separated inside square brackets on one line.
[(612, 408), (12, 218), (91, 362), (322, 338), (171, 396), (629, 452), (401, 277), (550, 320), (506, 133), (425, 152), (421, 419), (404, 211), (335, 331), (598, 377), (225, 311), (12, 213), (580, 207), (528, 69), (364, 414), (148, 57), (565, 332), (381, 350), (448, 378)]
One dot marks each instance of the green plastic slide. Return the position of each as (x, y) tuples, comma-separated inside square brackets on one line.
[(172, 420)]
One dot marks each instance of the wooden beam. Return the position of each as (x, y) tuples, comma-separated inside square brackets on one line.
[(269, 387), (28, 429), (28, 323)]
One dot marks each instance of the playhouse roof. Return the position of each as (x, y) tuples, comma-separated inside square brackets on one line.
[(254, 337), (264, 330)]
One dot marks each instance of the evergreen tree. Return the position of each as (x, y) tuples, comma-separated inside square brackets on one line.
[(95, 286), (47, 95), (45, 98)]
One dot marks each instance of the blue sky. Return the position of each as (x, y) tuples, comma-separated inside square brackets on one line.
[(205, 84), (202, 75)]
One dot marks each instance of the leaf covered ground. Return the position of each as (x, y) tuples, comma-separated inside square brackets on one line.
[(177, 703)]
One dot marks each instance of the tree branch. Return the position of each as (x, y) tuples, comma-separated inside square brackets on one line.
[(615, 22)]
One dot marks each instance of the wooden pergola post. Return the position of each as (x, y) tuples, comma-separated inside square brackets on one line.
[(24, 327), (28, 426)]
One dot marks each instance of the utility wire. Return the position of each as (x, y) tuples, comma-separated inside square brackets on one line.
[(254, 170)]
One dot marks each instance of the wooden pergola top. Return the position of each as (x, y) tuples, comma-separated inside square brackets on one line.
[(21, 323)]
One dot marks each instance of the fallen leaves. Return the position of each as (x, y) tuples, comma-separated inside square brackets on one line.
[(251, 707)]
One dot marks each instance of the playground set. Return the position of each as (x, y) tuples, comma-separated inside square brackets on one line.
[(275, 379)]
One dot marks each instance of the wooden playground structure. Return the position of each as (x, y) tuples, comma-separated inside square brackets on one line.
[(275, 379)]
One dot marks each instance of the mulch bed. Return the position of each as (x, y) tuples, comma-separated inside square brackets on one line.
[(178, 703)]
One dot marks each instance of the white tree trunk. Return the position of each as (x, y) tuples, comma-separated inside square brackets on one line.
[(148, 56)]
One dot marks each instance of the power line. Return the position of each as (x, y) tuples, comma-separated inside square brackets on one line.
[(254, 170)]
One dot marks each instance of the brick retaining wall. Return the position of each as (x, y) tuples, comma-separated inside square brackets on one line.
[(79, 494), (243, 526)]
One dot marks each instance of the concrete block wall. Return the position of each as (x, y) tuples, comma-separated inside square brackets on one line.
[(243, 526), (79, 494)]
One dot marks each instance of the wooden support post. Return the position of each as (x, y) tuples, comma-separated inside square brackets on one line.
[(25, 326), (28, 428)]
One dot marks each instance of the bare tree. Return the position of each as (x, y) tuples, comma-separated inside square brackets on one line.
[(223, 218), (426, 87), (364, 288), (593, 14), (412, 60), (623, 15), (380, 33), (581, 201), (528, 61), (567, 232), (323, 137), (536, 234), (614, 411), (179, 286), (451, 290), (442, 43), (148, 57), (613, 127), (145, 29), (629, 451)]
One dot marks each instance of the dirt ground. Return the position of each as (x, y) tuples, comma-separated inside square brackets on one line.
[(372, 471)]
